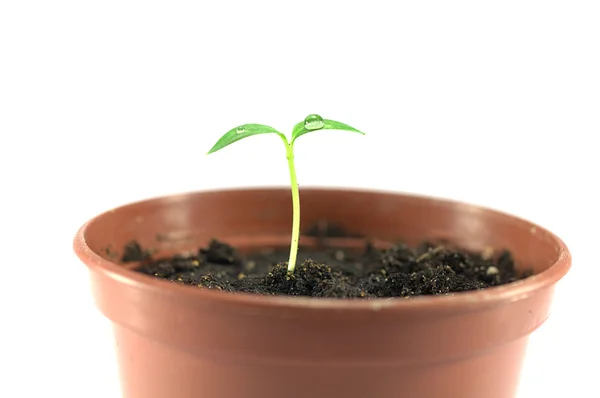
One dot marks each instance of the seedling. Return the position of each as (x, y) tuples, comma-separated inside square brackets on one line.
[(310, 123)]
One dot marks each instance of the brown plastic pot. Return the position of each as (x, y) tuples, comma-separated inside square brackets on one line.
[(178, 341)]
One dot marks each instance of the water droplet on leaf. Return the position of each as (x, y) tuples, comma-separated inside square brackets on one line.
[(240, 130), (313, 122)]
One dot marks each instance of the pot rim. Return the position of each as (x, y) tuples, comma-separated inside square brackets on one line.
[(490, 296)]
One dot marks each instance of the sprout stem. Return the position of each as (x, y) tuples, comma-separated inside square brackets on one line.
[(295, 207)]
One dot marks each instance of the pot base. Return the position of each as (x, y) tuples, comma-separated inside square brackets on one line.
[(493, 374)]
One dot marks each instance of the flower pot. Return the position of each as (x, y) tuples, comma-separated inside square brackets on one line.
[(183, 341)]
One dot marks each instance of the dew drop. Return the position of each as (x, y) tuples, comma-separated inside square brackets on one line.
[(240, 130), (313, 122)]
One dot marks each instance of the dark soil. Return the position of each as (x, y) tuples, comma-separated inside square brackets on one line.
[(399, 271)]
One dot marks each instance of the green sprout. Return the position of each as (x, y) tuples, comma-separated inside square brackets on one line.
[(310, 123)]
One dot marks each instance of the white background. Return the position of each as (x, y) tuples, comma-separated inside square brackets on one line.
[(106, 102)]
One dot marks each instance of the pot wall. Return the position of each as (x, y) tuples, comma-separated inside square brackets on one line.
[(176, 341)]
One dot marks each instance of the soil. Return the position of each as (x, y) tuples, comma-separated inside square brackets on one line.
[(398, 271)]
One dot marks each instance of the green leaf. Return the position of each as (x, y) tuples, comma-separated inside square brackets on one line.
[(243, 131), (300, 128)]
